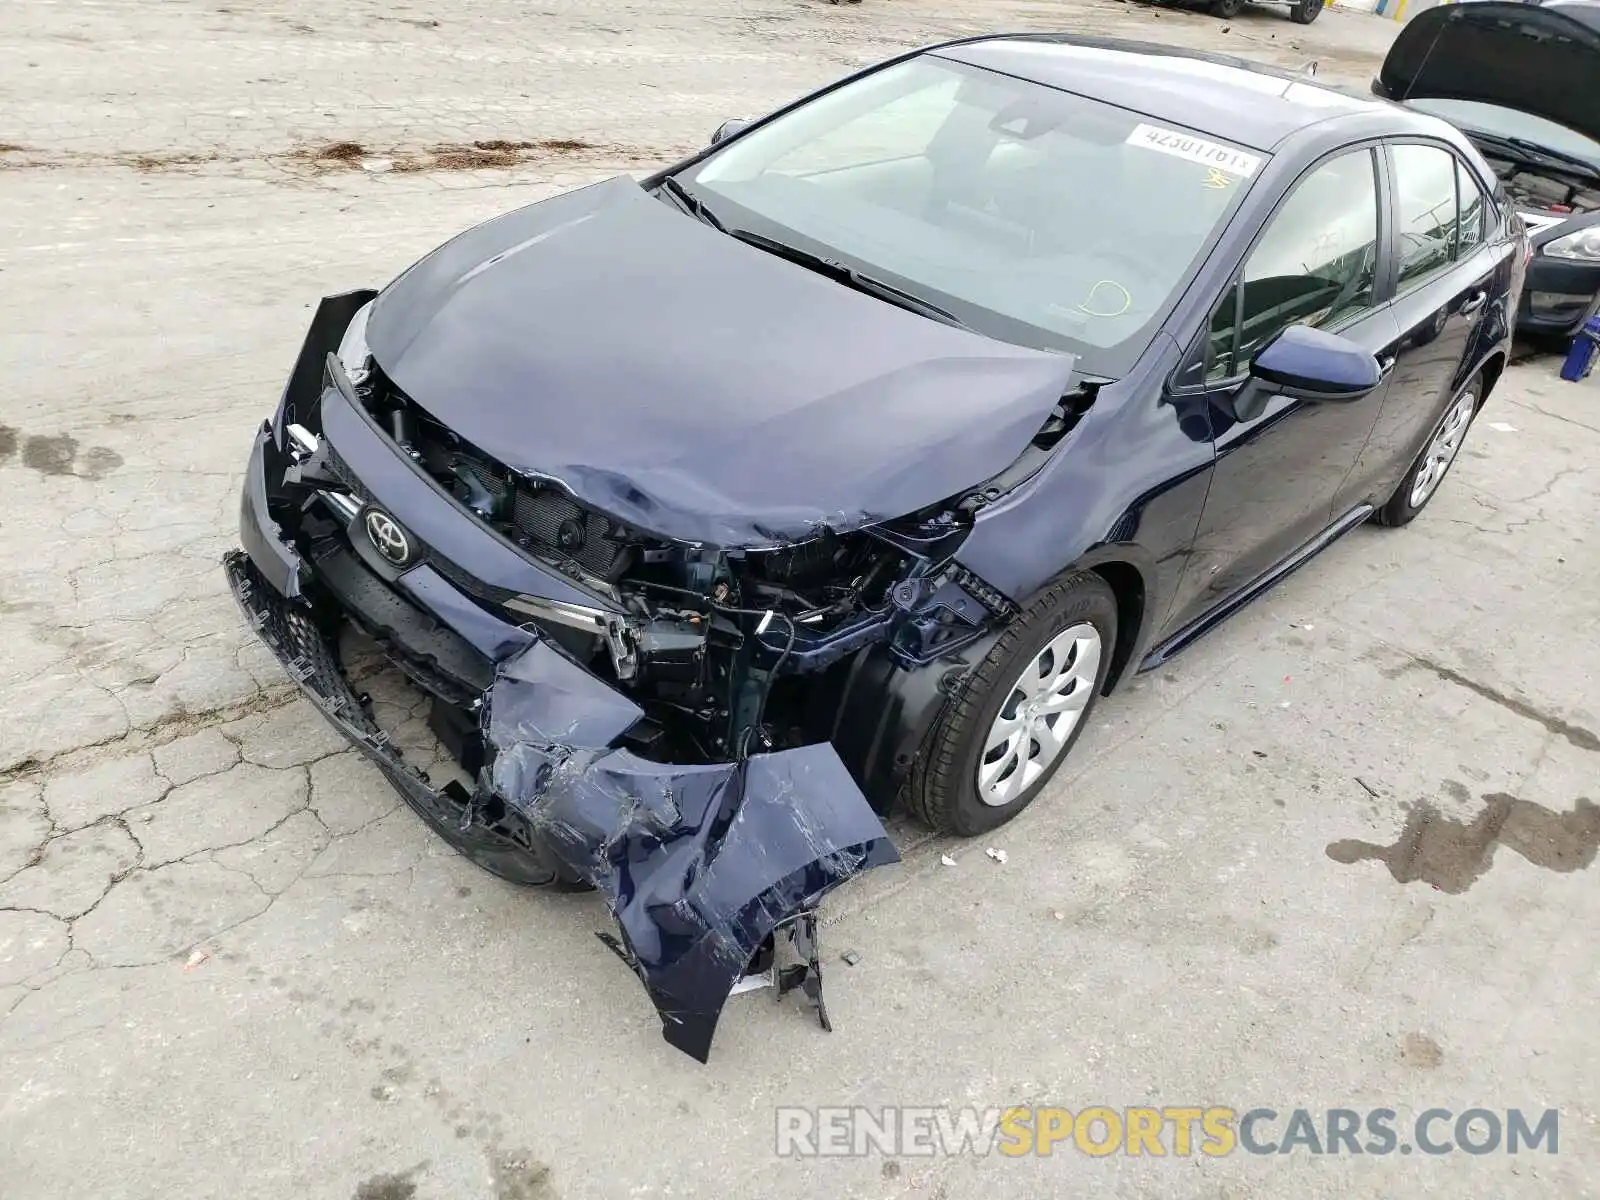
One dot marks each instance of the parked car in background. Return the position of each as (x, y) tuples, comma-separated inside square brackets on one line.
[(1300, 12), (849, 462), (1522, 81)]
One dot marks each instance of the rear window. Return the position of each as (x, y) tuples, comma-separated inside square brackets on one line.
[(1425, 187)]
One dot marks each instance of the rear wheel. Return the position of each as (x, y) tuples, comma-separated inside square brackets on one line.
[(1009, 731), (1420, 483), (1227, 8), (1303, 12)]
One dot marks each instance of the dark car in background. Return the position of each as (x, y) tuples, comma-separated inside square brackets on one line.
[(1522, 82), (850, 461)]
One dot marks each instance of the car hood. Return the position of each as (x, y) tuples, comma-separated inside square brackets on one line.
[(693, 386), (1519, 56)]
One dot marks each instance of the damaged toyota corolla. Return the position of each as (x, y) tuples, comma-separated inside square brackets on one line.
[(849, 461)]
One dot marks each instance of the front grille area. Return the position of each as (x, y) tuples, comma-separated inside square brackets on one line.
[(441, 661), (539, 517), (467, 582)]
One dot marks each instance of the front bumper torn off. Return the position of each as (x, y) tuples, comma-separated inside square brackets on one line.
[(707, 869)]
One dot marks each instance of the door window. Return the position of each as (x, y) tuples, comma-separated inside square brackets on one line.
[(1425, 192), (1314, 264), (1473, 207), (1220, 356)]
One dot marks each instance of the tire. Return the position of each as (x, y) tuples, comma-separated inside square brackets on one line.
[(946, 791), (1227, 9), (1413, 494), (1303, 12)]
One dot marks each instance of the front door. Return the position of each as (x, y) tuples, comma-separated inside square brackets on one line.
[(1445, 275), (1315, 263)]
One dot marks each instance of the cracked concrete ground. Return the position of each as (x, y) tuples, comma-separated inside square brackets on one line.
[(1340, 853)]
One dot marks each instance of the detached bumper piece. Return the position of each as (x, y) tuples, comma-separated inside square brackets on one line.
[(709, 870), (702, 866)]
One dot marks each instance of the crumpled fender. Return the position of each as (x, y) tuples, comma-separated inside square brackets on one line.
[(700, 865)]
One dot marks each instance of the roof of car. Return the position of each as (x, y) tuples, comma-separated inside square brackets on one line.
[(1232, 98)]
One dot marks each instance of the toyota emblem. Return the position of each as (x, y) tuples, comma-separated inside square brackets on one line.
[(386, 536)]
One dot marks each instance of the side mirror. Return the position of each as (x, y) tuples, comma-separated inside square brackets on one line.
[(728, 129), (1307, 364)]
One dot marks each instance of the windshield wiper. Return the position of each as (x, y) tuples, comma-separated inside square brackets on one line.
[(691, 203), (1586, 165), (696, 207), (849, 276), (1535, 154)]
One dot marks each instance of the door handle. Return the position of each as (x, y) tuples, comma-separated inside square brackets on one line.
[(1473, 302), (1385, 365)]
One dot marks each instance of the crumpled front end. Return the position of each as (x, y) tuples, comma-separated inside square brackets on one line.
[(705, 868), (706, 734)]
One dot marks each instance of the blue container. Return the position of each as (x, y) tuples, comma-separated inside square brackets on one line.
[(1580, 359)]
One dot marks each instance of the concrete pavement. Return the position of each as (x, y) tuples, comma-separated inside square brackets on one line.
[(1336, 854)]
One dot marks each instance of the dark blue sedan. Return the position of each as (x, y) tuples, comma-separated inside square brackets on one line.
[(854, 459)]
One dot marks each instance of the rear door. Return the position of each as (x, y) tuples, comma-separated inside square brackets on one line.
[(1317, 262), (1444, 281)]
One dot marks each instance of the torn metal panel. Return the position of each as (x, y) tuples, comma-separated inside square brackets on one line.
[(863, 411), (700, 864), (262, 538), (328, 326), (542, 698)]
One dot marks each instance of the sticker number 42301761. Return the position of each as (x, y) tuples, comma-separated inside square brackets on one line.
[(1195, 149)]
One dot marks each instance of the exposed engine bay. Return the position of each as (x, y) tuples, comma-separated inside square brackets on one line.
[(1544, 189), (726, 651)]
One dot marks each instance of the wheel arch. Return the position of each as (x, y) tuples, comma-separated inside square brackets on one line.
[(1127, 584), (885, 712), (1491, 369), (1130, 574)]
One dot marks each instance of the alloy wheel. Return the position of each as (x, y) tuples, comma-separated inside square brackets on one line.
[(1443, 449), (1040, 711)]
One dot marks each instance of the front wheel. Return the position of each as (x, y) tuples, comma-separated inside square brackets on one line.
[(1008, 732), (1227, 9), (1420, 483), (1303, 12)]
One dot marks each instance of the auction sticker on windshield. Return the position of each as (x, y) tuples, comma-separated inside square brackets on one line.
[(1195, 149)]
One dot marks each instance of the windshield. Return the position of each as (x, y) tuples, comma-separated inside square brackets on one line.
[(1030, 214), (1472, 116)]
